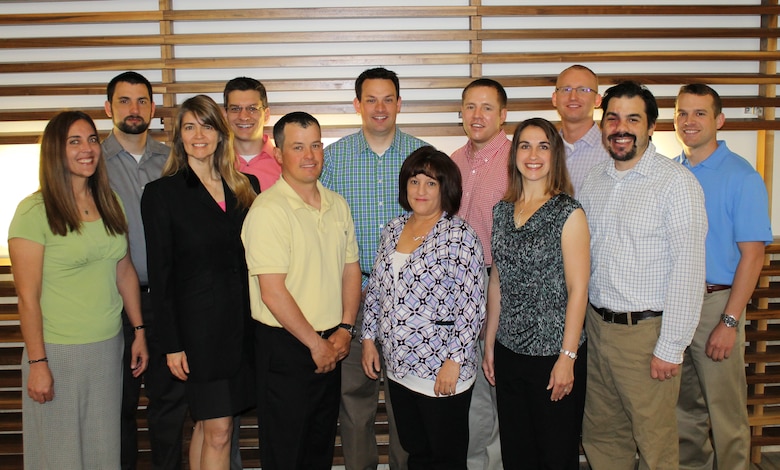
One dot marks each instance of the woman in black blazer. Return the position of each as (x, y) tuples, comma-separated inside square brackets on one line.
[(198, 277)]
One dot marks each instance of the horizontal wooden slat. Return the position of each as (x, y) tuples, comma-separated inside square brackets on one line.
[(81, 17), (319, 13), (627, 9), (628, 56), (627, 33), (242, 38)]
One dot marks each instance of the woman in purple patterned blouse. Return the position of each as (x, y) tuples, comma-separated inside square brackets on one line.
[(424, 307)]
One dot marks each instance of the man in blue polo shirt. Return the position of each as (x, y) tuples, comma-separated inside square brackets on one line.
[(712, 407)]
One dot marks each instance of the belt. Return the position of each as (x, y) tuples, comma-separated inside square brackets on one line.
[(625, 318), (326, 333), (488, 269), (716, 287), (144, 289)]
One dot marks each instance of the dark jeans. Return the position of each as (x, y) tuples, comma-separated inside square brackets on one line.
[(433, 430)]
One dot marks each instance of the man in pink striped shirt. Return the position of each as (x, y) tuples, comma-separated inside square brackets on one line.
[(483, 167)]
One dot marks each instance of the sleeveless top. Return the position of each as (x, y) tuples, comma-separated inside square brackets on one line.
[(533, 286)]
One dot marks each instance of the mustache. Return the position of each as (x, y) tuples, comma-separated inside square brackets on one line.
[(621, 135)]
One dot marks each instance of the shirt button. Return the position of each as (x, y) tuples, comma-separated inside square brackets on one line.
[(381, 204), (473, 171)]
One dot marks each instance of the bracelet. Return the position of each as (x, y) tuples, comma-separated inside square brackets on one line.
[(139, 327), (43, 359), (570, 354)]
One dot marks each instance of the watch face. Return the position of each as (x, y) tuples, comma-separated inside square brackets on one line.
[(729, 321)]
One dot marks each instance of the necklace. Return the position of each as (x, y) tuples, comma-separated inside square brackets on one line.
[(417, 239)]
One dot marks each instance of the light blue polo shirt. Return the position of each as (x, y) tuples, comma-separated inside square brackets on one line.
[(737, 209)]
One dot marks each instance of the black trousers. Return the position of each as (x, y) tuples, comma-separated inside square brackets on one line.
[(167, 408), (537, 433), (297, 409), (433, 430)]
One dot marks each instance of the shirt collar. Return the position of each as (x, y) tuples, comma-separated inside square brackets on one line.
[(643, 167), (490, 149), (296, 202), (714, 161)]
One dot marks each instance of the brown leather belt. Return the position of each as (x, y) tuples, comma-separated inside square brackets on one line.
[(625, 318), (716, 287)]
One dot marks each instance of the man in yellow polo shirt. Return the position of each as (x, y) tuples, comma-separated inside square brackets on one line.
[(304, 292)]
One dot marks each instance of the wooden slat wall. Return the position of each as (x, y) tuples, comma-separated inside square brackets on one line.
[(308, 59)]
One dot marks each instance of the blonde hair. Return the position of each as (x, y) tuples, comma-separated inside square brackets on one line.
[(208, 112)]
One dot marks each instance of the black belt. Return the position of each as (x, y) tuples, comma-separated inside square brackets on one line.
[(144, 289), (326, 333), (625, 318), (716, 287), (278, 329)]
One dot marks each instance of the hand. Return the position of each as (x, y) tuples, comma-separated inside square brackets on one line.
[(325, 356), (561, 378), (177, 363), (721, 342), (341, 340), (662, 370), (447, 378), (40, 383), (487, 366), (140, 354), (370, 359)]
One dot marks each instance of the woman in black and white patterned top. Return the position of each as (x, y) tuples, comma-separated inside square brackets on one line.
[(537, 295)]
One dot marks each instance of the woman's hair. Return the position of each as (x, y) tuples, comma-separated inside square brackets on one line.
[(557, 180), (54, 177), (437, 165), (208, 112)]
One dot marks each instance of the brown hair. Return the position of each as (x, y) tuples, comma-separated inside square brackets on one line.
[(209, 113), (54, 177), (557, 180)]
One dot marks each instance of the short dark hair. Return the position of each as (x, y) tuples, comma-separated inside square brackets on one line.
[(489, 83), (296, 117), (630, 89), (133, 78), (558, 180), (701, 89), (245, 84), (437, 165), (379, 73)]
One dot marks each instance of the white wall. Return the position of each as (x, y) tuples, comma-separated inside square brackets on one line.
[(18, 164)]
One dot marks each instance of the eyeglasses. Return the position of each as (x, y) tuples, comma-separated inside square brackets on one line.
[(580, 89), (251, 110)]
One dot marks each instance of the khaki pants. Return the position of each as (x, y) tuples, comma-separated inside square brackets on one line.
[(625, 409), (713, 398)]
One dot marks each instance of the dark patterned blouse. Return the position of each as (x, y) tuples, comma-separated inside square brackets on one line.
[(533, 286)]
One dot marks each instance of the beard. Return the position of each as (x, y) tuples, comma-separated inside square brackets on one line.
[(134, 129), (627, 156)]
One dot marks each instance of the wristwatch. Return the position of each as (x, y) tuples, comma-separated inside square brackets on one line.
[(729, 320), (350, 328)]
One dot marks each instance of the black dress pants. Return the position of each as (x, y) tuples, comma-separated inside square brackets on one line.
[(297, 409)]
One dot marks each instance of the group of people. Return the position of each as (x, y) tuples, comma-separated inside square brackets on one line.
[(518, 296)]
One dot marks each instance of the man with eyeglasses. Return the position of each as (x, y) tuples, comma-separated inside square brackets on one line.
[(575, 97), (246, 109)]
